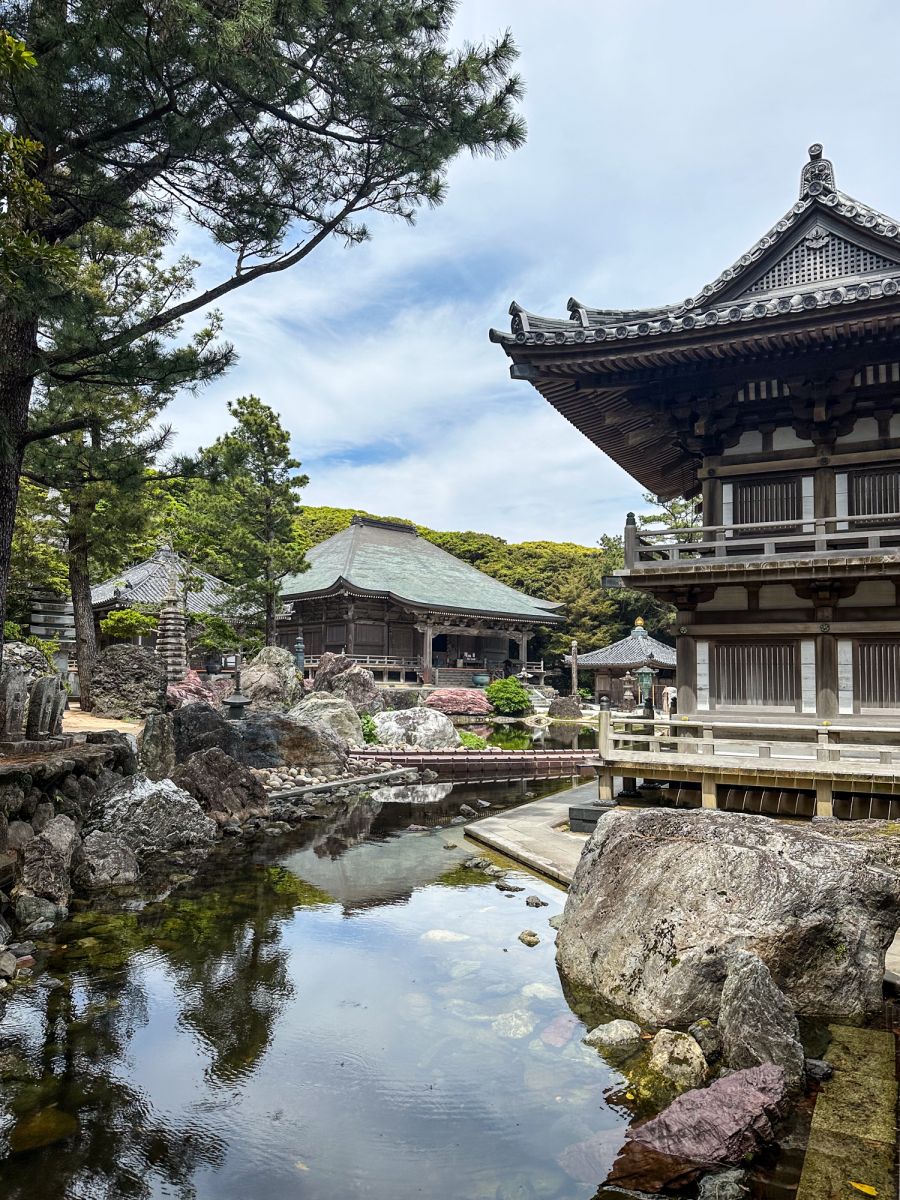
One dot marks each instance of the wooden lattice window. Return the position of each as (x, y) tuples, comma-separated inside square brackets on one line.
[(757, 673), (878, 674), (873, 492), (312, 640), (758, 501), (369, 637)]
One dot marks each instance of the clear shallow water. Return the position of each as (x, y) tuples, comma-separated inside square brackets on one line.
[(347, 1013), (559, 736)]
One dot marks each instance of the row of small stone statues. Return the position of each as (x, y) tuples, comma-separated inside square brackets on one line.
[(44, 702)]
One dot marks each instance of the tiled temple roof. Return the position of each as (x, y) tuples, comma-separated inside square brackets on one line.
[(384, 558), (147, 584), (752, 288), (639, 649)]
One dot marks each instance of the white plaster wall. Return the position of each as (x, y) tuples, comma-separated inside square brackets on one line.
[(784, 438), (750, 442), (874, 592), (780, 595), (726, 599), (865, 430)]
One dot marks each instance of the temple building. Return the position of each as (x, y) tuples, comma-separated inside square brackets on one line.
[(409, 610), (773, 396), (614, 668)]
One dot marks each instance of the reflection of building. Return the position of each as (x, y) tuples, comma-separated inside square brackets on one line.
[(408, 610), (636, 652), (774, 396)]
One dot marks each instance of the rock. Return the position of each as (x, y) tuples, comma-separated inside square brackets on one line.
[(660, 897), (724, 1185), (5, 932), (271, 681), (529, 938), (156, 746), (219, 784), (503, 886), (817, 1069), (678, 1058), (516, 1024), (272, 740), (123, 746), (129, 682), (38, 915), (721, 1125), (341, 676), (466, 810), (614, 1033), (757, 1023), (105, 861), (152, 817), (18, 835), (26, 660), (565, 708), (460, 702), (43, 814), (399, 697), (43, 1128), (555, 921), (423, 728), (334, 711), (7, 964), (194, 690), (707, 1037), (42, 869), (198, 727), (535, 902)]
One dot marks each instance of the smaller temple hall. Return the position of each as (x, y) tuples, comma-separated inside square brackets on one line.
[(408, 610)]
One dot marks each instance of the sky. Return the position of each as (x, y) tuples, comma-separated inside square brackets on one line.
[(663, 139)]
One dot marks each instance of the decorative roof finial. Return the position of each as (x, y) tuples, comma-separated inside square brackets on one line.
[(639, 630), (817, 177)]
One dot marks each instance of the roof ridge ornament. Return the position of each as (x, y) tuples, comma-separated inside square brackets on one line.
[(817, 176)]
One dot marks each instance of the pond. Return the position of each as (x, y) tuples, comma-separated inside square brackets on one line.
[(347, 1013), (518, 735)]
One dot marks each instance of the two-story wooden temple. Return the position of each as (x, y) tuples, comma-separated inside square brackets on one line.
[(773, 394), (409, 610)]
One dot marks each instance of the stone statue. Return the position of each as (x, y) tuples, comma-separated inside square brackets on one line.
[(13, 699)]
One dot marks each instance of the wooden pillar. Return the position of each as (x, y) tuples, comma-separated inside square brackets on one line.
[(605, 787), (427, 639), (824, 805), (826, 676), (686, 675), (708, 791), (523, 649)]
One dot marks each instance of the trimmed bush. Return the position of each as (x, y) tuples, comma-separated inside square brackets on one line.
[(471, 741), (508, 697)]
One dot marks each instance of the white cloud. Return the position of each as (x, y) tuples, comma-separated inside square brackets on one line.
[(663, 139)]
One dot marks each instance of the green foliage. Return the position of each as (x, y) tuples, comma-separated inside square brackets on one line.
[(585, 693), (249, 507), (209, 631), (12, 631), (471, 741), (38, 559), (508, 697), (369, 728), (49, 647), (128, 623)]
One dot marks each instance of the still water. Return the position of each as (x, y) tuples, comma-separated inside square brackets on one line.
[(345, 1013)]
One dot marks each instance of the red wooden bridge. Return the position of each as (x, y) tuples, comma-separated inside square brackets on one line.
[(486, 764)]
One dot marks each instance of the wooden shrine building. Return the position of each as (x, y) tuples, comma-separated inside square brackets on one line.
[(773, 396), (409, 610), (609, 665)]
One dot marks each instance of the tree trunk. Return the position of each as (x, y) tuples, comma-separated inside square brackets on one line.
[(270, 619), (80, 583), (18, 345)]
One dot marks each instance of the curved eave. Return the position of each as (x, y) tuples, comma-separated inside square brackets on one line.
[(624, 666), (342, 585)]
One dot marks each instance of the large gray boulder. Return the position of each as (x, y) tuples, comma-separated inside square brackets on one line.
[(199, 727), (274, 740), (105, 861), (661, 898), (565, 708), (129, 682), (724, 1125), (221, 786), (26, 660), (334, 711), (423, 728), (271, 681), (757, 1022), (152, 817), (341, 676), (42, 869)]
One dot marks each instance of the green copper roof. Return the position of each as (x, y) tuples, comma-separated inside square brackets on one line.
[(384, 558)]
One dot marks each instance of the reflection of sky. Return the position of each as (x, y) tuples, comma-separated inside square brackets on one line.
[(389, 1071)]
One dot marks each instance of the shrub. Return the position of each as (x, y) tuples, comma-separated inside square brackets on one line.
[(12, 632), (128, 623), (508, 697), (471, 741), (585, 694), (369, 728)]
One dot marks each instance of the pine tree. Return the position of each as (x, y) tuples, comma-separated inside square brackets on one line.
[(250, 508), (271, 126)]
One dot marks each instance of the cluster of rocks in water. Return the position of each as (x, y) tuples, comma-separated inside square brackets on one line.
[(716, 931)]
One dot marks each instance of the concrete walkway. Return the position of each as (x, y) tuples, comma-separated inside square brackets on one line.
[(75, 721), (532, 834)]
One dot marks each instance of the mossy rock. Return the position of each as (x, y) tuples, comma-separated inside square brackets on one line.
[(42, 1128)]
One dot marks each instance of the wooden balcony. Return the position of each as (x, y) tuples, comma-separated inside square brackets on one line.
[(711, 547), (393, 669)]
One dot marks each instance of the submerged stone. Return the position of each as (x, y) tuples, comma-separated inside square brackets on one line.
[(42, 1128), (614, 1033)]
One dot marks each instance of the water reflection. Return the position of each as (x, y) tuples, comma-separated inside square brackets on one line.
[(559, 735), (413, 794), (245, 1038)]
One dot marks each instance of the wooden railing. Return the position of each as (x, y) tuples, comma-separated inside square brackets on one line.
[(623, 737), (373, 660), (655, 549)]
